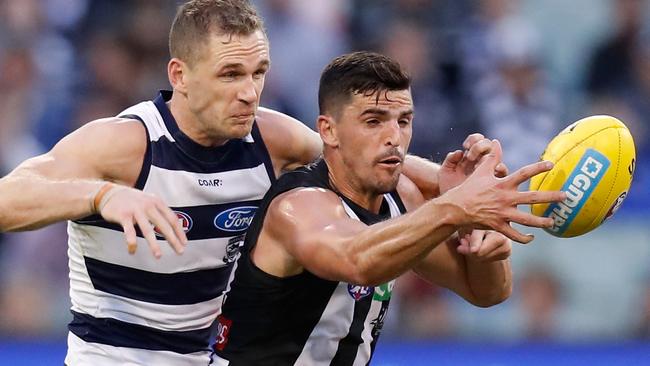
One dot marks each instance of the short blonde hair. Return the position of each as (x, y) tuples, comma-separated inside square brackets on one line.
[(197, 18)]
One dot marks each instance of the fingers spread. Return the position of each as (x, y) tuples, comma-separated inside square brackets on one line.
[(529, 219), (529, 171), (147, 231), (515, 235), (165, 227), (531, 197), (129, 234)]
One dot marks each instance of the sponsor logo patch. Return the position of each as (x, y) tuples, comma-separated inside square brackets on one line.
[(210, 182), (359, 292), (233, 248), (184, 219), (223, 329), (384, 292), (578, 187), (235, 219)]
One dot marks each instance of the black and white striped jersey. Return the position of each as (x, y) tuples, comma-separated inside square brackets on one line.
[(135, 309), (301, 319)]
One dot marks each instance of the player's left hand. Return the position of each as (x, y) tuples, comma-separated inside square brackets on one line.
[(485, 245), (461, 163)]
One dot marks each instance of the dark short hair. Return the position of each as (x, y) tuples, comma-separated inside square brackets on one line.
[(362, 72), (196, 19)]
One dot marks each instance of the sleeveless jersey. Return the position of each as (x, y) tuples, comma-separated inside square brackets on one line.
[(135, 309), (301, 319)]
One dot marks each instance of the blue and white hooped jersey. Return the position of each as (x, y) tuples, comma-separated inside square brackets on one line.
[(135, 309)]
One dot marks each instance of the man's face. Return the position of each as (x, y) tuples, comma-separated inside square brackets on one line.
[(225, 83), (374, 135)]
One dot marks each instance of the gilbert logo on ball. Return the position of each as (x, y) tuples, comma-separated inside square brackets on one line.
[(594, 164)]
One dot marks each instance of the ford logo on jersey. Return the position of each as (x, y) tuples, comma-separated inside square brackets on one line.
[(578, 187), (235, 219)]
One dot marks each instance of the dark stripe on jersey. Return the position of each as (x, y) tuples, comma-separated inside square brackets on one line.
[(182, 288), (348, 346), (236, 154), (262, 151), (205, 221), (146, 161), (122, 334)]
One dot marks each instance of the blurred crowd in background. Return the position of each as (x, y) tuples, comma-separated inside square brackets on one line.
[(519, 71)]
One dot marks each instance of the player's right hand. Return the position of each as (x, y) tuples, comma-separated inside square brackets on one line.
[(490, 202), (129, 207)]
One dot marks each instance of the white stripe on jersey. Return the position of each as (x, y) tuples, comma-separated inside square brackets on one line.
[(333, 325), (182, 188), (152, 118), (158, 316), (363, 352), (81, 353), (198, 254)]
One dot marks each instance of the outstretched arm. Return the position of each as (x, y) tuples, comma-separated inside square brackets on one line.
[(72, 181)]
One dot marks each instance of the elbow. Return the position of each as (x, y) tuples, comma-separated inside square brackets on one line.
[(494, 297), (361, 273)]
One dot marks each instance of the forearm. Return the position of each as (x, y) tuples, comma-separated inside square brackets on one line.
[(29, 201), (384, 251), (424, 174), (489, 282)]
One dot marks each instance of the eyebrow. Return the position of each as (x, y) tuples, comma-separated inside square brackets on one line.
[(383, 112), (238, 65), (379, 111)]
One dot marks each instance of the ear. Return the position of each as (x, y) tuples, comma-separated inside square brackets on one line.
[(176, 72), (327, 129)]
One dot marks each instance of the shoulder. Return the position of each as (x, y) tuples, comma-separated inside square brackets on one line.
[(302, 207), (289, 141)]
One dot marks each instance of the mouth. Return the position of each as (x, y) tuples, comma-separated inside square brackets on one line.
[(392, 161), (243, 118)]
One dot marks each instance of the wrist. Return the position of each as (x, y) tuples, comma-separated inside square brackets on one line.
[(100, 197), (453, 211)]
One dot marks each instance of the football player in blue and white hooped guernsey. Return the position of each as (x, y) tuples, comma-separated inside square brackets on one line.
[(182, 174)]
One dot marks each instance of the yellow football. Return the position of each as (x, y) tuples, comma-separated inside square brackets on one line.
[(594, 164)]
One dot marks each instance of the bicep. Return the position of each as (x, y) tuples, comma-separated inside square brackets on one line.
[(315, 239), (110, 149)]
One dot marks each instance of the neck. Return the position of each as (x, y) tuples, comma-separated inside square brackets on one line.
[(347, 185), (190, 124)]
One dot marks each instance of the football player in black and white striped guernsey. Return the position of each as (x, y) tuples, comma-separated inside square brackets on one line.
[(315, 277)]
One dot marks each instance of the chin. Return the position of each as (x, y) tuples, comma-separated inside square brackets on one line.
[(241, 131), (385, 186)]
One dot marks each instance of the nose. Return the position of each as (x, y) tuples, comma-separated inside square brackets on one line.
[(248, 92), (392, 134)]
